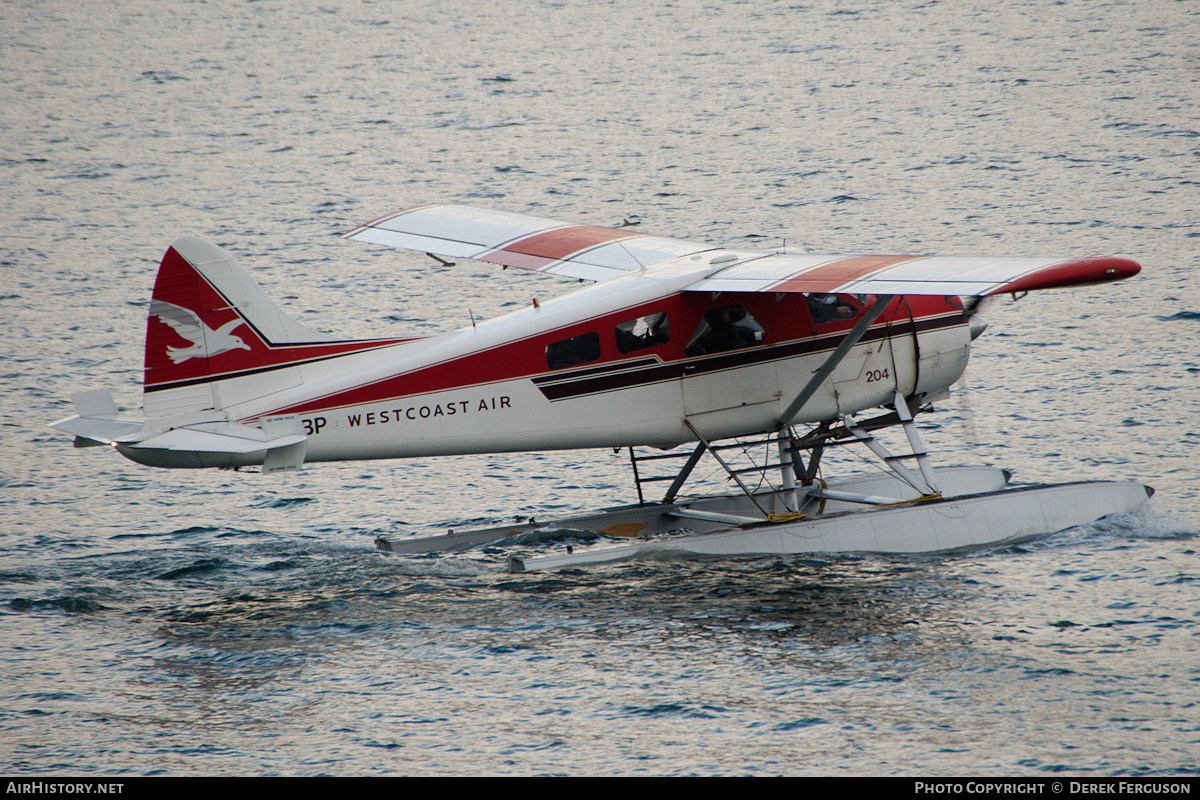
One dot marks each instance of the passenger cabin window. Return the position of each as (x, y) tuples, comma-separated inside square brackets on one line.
[(725, 328), (643, 332), (829, 308), (576, 350)]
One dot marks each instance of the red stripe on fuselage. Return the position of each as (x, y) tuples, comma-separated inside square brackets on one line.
[(785, 321), (829, 277)]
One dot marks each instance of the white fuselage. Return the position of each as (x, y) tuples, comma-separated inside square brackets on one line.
[(434, 397)]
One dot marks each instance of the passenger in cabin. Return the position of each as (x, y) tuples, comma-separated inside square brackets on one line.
[(643, 332), (725, 328)]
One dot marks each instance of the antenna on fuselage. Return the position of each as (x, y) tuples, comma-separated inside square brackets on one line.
[(628, 223)]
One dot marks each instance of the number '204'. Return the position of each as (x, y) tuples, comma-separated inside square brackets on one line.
[(874, 375)]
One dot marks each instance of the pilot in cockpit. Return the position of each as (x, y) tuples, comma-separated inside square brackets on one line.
[(829, 308)]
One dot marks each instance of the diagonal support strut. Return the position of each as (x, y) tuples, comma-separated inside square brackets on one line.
[(831, 363)]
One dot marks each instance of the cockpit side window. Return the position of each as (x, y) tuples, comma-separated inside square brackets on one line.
[(643, 332), (829, 308), (725, 328), (576, 350)]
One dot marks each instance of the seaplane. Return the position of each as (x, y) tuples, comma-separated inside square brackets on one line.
[(674, 346)]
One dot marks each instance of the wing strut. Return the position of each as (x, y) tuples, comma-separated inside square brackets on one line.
[(835, 358)]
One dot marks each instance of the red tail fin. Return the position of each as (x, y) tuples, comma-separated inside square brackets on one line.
[(189, 324), (210, 321)]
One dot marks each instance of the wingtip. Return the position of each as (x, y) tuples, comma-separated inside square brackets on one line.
[(1077, 272), (1124, 268)]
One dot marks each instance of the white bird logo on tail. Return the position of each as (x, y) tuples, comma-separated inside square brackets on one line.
[(206, 342)]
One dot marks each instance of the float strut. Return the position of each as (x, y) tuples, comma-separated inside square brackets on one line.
[(766, 514), (677, 484), (787, 470), (914, 442)]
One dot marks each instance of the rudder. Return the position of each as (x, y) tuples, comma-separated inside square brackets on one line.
[(208, 319), (213, 335)]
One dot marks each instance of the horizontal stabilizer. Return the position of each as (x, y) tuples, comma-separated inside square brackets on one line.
[(216, 437), (279, 444), (96, 420), (99, 431)]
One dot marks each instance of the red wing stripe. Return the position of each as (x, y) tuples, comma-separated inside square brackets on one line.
[(830, 277), (548, 247)]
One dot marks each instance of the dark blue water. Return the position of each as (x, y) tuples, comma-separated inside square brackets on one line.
[(182, 623)]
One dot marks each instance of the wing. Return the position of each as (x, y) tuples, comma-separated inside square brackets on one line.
[(928, 275), (597, 253), (589, 252)]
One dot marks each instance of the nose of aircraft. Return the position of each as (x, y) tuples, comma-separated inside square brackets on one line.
[(976, 326)]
